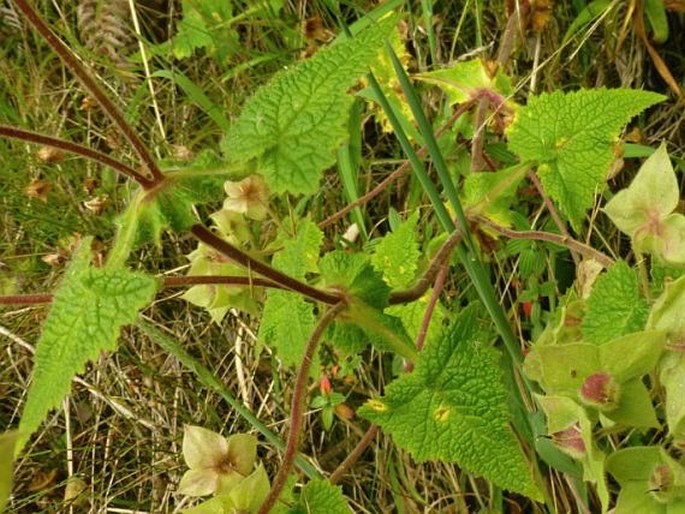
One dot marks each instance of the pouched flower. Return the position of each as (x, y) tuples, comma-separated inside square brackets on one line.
[(216, 464), (250, 196)]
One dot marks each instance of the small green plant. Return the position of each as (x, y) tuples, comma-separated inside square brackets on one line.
[(465, 392)]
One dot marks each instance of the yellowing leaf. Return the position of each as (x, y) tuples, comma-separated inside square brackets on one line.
[(466, 79), (396, 256), (89, 308), (651, 196)]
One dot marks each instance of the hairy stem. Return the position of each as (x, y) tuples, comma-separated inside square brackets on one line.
[(297, 407), (77, 149), (552, 210), (354, 455), (561, 240), (68, 58), (206, 236), (428, 315)]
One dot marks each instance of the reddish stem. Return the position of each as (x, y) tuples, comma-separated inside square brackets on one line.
[(354, 455), (428, 315), (253, 265), (77, 149), (297, 408), (62, 50)]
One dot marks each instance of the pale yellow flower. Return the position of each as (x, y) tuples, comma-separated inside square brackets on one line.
[(250, 196)]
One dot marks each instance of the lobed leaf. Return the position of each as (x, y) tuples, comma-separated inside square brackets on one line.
[(571, 138), (293, 125), (89, 308), (453, 407)]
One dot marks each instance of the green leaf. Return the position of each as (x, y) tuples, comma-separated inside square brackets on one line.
[(204, 25), (491, 194), (615, 306), (396, 256), (672, 377), (287, 320), (317, 495), (453, 408), (293, 125), (89, 308), (571, 138), (466, 79), (8, 441), (353, 273)]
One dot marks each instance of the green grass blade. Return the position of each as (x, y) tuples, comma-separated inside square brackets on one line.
[(431, 144), (349, 157), (198, 96), (417, 165), (209, 380)]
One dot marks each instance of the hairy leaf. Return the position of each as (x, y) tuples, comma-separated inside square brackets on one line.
[(293, 125), (396, 256), (89, 308), (453, 408), (170, 208), (615, 306), (354, 274), (571, 138)]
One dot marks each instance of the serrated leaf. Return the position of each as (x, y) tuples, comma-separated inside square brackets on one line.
[(288, 320), (89, 308), (293, 125), (466, 79), (353, 273), (615, 306), (396, 256), (453, 407), (571, 137)]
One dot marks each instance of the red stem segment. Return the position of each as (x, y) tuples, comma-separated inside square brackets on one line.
[(297, 407), (77, 149), (253, 265), (62, 50)]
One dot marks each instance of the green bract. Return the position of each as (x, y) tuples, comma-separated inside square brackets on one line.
[(644, 211)]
